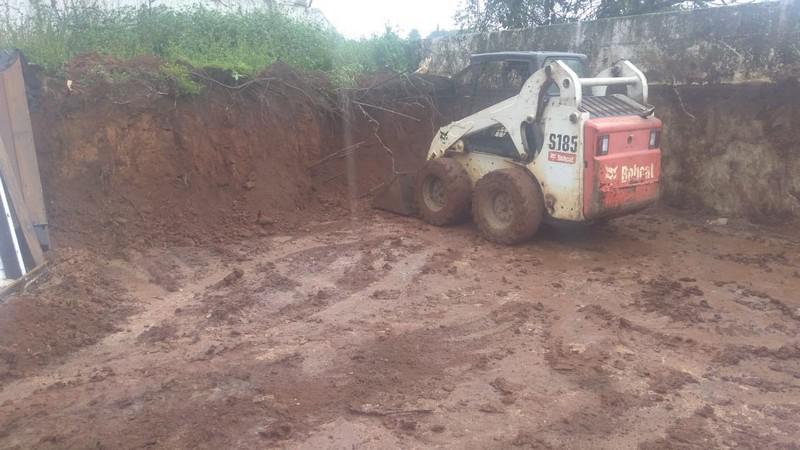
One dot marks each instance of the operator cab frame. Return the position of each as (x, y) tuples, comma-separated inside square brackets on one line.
[(494, 77)]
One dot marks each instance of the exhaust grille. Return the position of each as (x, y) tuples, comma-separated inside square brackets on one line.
[(613, 105)]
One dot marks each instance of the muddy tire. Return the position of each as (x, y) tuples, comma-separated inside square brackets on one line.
[(507, 206), (443, 192)]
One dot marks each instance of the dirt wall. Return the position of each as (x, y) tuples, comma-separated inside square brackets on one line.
[(129, 162), (732, 149), (124, 161)]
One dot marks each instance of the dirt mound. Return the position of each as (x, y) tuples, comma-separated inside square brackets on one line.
[(73, 304)]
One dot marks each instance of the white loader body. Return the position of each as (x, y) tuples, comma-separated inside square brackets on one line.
[(562, 159)]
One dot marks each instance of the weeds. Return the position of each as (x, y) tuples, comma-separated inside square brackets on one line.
[(241, 42), (180, 74)]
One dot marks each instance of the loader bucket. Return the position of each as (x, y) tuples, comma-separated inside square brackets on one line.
[(398, 195)]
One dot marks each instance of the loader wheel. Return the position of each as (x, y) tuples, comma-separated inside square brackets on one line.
[(508, 206), (443, 192)]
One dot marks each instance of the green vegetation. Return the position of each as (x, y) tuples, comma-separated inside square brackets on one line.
[(242, 42), (486, 15)]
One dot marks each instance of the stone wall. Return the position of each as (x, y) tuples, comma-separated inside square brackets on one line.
[(724, 80)]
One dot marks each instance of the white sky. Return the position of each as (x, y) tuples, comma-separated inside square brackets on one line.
[(361, 18)]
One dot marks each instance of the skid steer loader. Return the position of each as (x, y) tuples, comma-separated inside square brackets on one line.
[(564, 148)]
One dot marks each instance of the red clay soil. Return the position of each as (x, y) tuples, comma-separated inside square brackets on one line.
[(382, 332), (128, 164)]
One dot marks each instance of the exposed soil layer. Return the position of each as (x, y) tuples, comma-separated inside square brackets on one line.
[(128, 163), (383, 332), (731, 148)]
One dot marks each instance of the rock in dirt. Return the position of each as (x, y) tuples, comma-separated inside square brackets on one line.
[(491, 408), (408, 425), (668, 380), (101, 374), (706, 411), (264, 220), (526, 439), (384, 294), (167, 281), (157, 333), (231, 278), (276, 431), (504, 386), (369, 409)]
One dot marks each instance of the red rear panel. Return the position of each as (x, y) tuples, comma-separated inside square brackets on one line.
[(626, 179)]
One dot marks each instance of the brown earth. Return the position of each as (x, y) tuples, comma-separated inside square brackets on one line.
[(218, 283), (383, 332), (126, 163)]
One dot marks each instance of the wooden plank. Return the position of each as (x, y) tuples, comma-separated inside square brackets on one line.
[(23, 219), (24, 148), (6, 133), (20, 284)]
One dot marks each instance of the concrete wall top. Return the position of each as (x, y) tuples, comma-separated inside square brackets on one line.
[(735, 44)]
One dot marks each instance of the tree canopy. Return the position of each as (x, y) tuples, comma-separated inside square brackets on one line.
[(487, 15)]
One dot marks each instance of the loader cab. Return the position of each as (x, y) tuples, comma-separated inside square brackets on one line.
[(493, 77)]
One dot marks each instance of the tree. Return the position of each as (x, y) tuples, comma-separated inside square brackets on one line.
[(616, 8), (487, 15)]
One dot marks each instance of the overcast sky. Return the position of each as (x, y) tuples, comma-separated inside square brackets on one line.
[(358, 18)]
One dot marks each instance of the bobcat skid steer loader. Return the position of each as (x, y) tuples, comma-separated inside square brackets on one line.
[(564, 148)]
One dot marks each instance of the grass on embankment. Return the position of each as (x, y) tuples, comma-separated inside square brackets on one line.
[(242, 42)]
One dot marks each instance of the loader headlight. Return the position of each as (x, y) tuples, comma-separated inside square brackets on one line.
[(655, 138), (602, 145)]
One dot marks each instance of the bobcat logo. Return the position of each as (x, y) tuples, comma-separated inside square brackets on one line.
[(611, 173)]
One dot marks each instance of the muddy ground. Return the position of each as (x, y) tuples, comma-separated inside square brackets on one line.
[(374, 331)]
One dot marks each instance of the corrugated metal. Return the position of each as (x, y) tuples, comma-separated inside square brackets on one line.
[(611, 106)]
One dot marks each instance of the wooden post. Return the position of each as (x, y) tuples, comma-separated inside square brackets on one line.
[(18, 203), (6, 132)]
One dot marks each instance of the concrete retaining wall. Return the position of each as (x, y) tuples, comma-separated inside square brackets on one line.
[(724, 80)]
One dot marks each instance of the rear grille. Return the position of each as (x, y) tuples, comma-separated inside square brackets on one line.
[(612, 105)]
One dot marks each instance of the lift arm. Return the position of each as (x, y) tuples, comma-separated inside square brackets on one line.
[(530, 104)]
